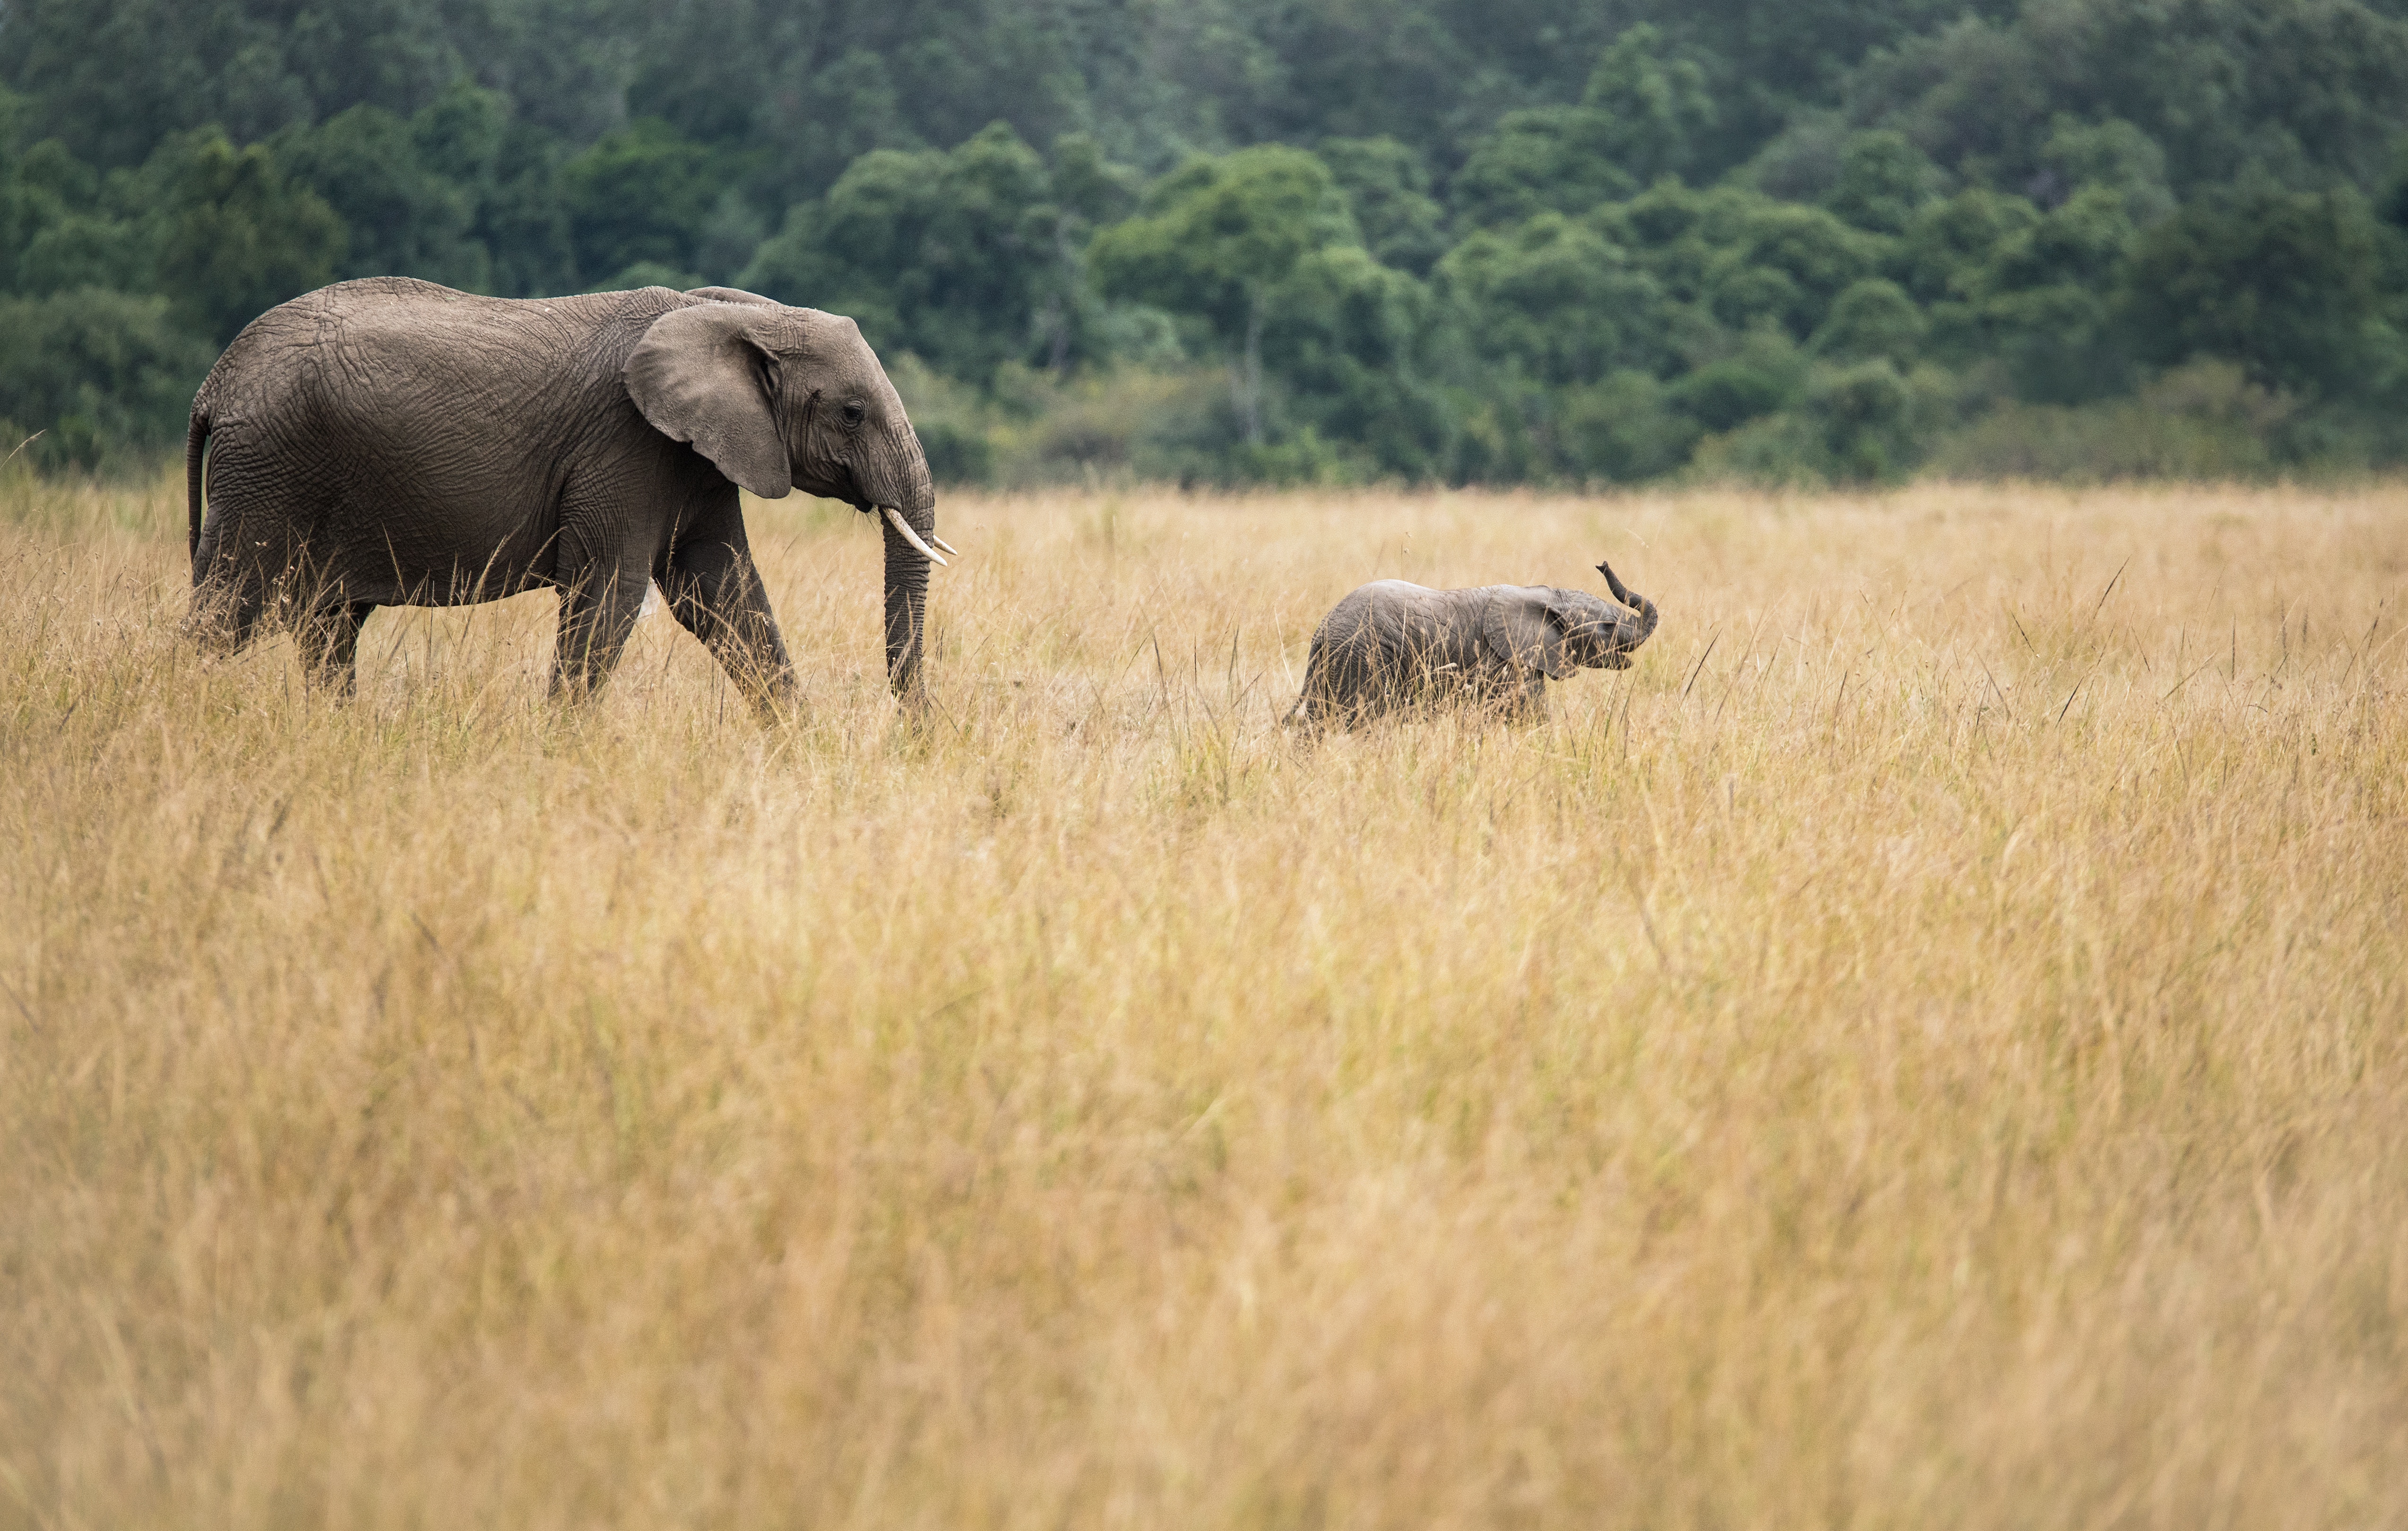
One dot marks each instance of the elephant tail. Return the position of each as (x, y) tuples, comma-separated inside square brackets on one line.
[(196, 442)]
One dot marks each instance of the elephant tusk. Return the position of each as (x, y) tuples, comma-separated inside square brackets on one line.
[(914, 537), (945, 544)]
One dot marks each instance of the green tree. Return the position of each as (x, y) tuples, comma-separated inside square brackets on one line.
[(1763, 374), (524, 218), (1089, 185), (113, 78), (642, 194), (2284, 282), (507, 171), (85, 250), (1090, 192), (1342, 336), (1556, 299), (1215, 239), (55, 233), (234, 234), (1638, 118), (1657, 106), (104, 377), (1873, 319), (2312, 91), (2044, 299), (1785, 265), (1950, 245), (1621, 429), (404, 218), (1865, 416), (460, 135), (26, 207), (950, 255), (1546, 159), (1387, 188), (2114, 154), (2084, 241), (1884, 181)]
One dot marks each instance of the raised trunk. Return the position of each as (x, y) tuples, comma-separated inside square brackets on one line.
[(1627, 639), (1631, 639)]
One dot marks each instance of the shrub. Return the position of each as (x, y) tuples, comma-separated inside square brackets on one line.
[(236, 235), (1624, 430), (103, 375), (2285, 283), (1873, 319), (2202, 422), (1767, 375)]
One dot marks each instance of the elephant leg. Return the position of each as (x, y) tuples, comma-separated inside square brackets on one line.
[(1526, 700), (1312, 698), (234, 600), (716, 594), (227, 611), (1343, 683), (598, 612), (329, 635), (237, 573), (1319, 709), (1403, 682)]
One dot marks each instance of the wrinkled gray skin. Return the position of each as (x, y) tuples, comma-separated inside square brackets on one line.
[(1392, 645), (389, 442)]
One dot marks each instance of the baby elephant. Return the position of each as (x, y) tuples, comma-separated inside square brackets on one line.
[(1391, 644)]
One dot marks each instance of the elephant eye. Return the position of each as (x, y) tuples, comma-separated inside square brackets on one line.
[(853, 413)]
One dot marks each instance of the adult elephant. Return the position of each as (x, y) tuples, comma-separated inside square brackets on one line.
[(391, 442)]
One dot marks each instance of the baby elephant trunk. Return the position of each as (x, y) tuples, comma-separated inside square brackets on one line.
[(1630, 638)]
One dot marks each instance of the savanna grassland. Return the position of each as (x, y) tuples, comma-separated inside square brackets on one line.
[(1924, 1047)]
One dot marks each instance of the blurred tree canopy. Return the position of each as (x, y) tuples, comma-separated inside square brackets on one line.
[(1554, 240), (951, 255), (1217, 239)]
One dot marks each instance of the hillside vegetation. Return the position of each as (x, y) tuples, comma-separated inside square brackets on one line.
[(1921, 1048), (1541, 241)]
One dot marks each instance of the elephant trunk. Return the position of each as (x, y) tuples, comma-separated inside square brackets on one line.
[(1630, 638), (906, 611), (909, 528)]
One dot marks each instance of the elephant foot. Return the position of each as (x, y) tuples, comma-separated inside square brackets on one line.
[(913, 707)]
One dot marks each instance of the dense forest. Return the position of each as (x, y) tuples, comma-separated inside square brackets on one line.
[(1271, 240)]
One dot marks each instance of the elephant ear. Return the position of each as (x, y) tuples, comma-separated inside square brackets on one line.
[(1524, 626), (701, 375)]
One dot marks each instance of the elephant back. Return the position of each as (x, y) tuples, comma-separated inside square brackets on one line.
[(1384, 639)]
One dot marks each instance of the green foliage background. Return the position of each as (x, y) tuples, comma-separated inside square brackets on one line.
[(1239, 240)]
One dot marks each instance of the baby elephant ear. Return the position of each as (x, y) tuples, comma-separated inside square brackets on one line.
[(1525, 630), (701, 375)]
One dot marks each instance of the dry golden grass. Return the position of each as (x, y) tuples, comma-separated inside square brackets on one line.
[(1924, 1048)]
